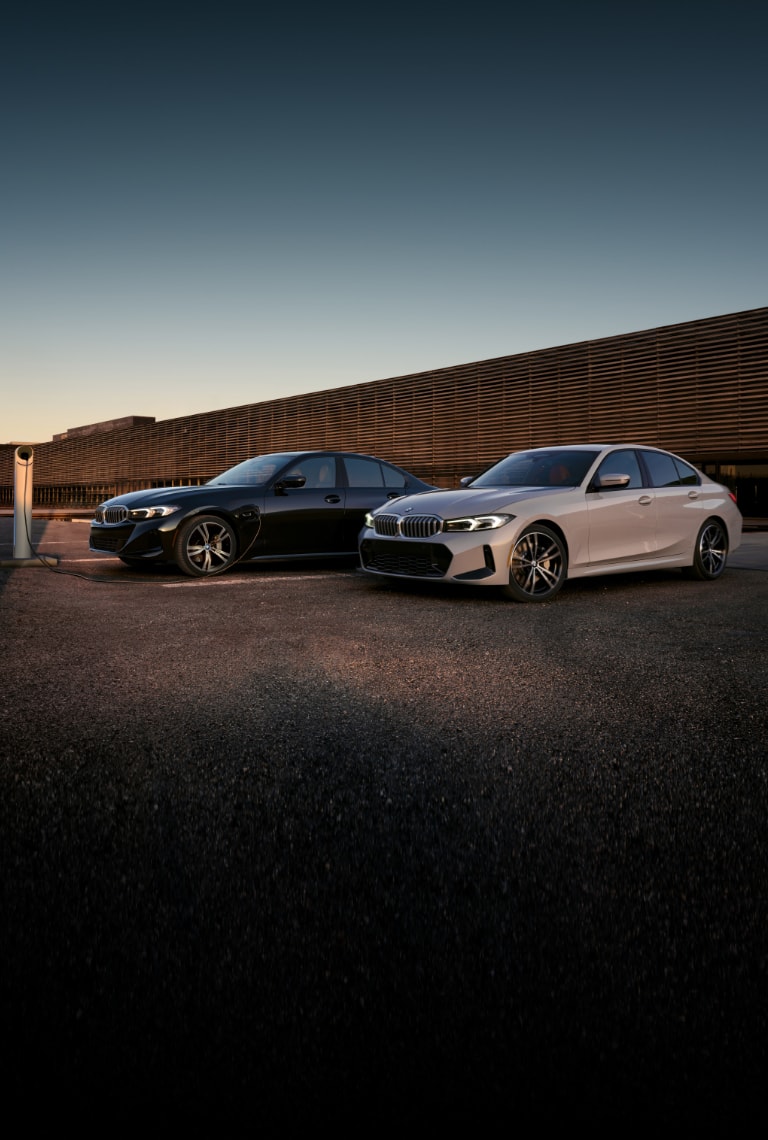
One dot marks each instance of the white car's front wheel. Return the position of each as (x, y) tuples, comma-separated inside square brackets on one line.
[(538, 565)]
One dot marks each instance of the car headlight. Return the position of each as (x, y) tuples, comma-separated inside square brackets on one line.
[(142, 513), (369, 519), (477, 522)]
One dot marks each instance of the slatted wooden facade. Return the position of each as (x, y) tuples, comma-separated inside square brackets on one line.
[(699, 389)]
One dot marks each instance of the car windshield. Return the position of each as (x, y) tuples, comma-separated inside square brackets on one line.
[(552, 468), (254, 472)]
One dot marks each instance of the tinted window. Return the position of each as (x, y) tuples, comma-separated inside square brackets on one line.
[(662, 469), (552, 468), (394, 478), (363, 472), (689, 477), (621, 463), (253, 472), (318, 470)]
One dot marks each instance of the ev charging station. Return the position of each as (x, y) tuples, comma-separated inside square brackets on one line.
[(23, 463), (23, 554)]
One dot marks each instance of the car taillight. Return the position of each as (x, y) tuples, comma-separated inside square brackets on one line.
[(731, 494)]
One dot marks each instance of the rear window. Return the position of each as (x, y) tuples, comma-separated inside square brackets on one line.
[(363, 472), (668, 471)]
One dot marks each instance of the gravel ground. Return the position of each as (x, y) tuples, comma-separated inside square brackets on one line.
[(290, 841)]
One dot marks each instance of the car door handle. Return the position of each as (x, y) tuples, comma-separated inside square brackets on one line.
[(693, 494), (645, 500), (332, 499)]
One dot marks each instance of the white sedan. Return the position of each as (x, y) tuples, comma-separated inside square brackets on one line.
[(540, 517)]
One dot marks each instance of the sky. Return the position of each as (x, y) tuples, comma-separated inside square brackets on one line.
[(212, 205)]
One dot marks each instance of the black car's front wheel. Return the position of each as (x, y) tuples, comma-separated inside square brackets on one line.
[(538, 565), (205, 545), (711, 552)]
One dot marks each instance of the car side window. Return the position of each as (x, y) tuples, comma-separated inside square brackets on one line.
[(689, 476), (661, 469), (393, 478), (363, 472), (621, 463), (318, 470)]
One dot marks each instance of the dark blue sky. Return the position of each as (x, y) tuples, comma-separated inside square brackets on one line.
[(204, 208)]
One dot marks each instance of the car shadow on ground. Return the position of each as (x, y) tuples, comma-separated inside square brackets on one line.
[(610, 584)]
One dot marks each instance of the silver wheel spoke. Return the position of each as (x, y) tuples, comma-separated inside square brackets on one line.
[(549, 576)]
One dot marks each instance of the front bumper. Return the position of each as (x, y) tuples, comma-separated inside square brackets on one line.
[(481, 557), (131, 540)]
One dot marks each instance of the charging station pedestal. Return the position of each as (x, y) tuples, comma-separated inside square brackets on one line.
[(23, 554), (23, 463)]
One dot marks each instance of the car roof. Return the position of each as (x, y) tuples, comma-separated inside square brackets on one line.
[(333, 451), (590, 447)]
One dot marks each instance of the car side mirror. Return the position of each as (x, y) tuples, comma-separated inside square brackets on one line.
[(466, 480), (290, 481), (612, 482)]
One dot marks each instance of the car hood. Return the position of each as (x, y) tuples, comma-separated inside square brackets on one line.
[(158, 495), (468, 501)]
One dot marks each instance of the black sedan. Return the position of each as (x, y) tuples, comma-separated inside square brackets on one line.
[(294, 504)]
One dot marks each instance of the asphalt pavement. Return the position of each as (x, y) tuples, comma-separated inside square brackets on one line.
[(292, 843)]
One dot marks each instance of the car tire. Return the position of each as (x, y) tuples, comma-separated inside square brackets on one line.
[(538, 565), (710, 552), (205, 545)]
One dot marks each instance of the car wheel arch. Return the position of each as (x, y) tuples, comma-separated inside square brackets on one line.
[(216, 511), (554, 526), (719, 521)]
